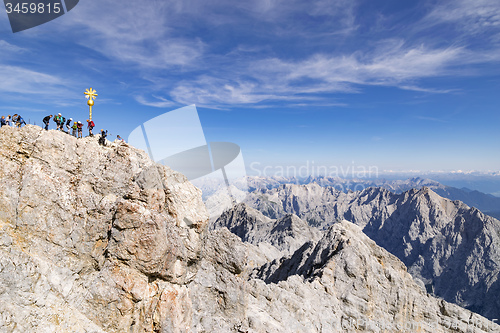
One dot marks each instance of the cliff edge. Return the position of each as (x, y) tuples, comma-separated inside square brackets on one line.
[(93, 239)]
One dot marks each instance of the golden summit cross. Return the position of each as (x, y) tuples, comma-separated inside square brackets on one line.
[(90, 94)]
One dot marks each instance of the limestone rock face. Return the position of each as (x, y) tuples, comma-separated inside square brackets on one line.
[(101, 239), (286, 234), (344, 282), (366, 286), (452, 248), (93, 238)]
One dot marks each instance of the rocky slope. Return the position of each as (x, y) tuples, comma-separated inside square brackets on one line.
[(101, 239), (344, 282), (286, 234), (453, 248), (371, 286), (93, 239)]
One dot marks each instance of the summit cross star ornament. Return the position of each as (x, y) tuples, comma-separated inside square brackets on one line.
[(90, 94)]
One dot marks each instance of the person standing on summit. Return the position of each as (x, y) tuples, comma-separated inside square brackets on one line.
[(74, 127), (57, 120), (79, 126), (46, 121), (68, 124), (62, 120), (20, 121), (102, 138), (90, 126)]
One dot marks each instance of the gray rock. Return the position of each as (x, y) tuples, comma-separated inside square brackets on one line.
[(452, 248), (343, 282), (93, 239), (101, 239), (286, 234)]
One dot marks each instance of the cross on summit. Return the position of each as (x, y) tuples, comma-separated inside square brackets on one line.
[(90, 93)]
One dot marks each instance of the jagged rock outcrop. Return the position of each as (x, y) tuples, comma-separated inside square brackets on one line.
[(369, 285), (101, 239), (344, 282), (93, 239), (286, 234), (453, 248)]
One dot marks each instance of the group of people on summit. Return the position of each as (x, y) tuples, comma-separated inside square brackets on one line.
[(14, 121), (61, 122), (66, 126), (75, 126)]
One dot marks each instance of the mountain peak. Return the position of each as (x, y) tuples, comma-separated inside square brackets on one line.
[(102, 239), (435, 237), (90, 235), (285, 234), (352, 268)]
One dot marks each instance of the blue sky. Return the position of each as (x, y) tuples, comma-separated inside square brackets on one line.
[(401, 85)]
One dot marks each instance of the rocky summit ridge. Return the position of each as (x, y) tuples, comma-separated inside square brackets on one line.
[(102, 239), (93, 239), (453, 248)]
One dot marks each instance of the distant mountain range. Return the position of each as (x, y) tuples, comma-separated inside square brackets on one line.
[(438, 231), (486, 182), (453, 248), (486, 203)]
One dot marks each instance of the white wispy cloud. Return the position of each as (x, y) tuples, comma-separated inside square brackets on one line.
[(19, 82), (274, 17), (472, 16), (427, 90), (156, 40), (152, 35), (157, 101), (432, 119), (276, 79), (212, 92), (8, 48), (24, 81), (149, 37), (134, 33), (19, 109)]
